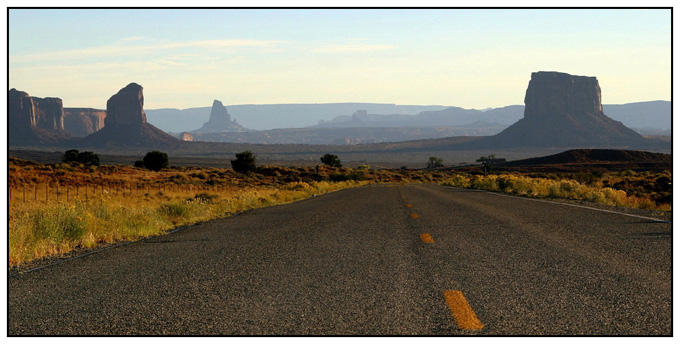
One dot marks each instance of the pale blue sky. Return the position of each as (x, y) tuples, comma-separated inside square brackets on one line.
[(467, 58)]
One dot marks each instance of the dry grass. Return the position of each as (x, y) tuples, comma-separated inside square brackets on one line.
[(56, 208), (592, 191), (37, 229), (125, 203)]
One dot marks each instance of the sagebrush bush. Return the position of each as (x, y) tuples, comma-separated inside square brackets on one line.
[(552, 188)]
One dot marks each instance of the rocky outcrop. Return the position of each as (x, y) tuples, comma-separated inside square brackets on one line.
[(81, 122), (186, 137), (126, 108), (220, 121), (33, 120), (126, 124), (563, 110)]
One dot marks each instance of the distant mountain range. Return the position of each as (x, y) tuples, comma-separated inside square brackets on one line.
[(649, 118), (363, 126), (274, 116), (348, 136), (452, 116)]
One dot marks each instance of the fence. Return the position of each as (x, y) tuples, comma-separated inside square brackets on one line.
[(56, 192)]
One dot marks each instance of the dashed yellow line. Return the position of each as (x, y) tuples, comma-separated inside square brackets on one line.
[(462, 312), (426, 238), (409, 206), (414, 216)]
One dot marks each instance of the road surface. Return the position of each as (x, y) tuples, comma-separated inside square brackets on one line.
[(383, 260)]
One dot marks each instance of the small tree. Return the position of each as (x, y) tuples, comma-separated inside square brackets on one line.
[(70, 155), (156, 160), (88, 158), (484, 159), (139, 163), (435, 162), (331, 160), (244, 163)]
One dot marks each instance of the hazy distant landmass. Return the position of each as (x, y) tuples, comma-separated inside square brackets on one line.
[(452, 116), (275, 116), (348, 136), (651, 115), (351, 127)]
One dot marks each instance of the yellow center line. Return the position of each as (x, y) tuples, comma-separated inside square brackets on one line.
[(414, 216), (426, 238), (462, 312), (409, 206)]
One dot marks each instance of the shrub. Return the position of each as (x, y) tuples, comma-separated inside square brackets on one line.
[(86, 158), (200, 175), (174, 209), (435, 162), (204, 197), (331, 160), (70, 155), (139, 163), (155, 160), (244, 163), (340, 177)]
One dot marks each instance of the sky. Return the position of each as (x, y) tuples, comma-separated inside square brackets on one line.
[(471, 58)]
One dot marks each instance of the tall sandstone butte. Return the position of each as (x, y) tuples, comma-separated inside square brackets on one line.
[(126, 124), (563, 110), (126, 108), (33, 120), (219, 121)]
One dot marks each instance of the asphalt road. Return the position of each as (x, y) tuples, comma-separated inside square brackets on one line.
[(369, 261)]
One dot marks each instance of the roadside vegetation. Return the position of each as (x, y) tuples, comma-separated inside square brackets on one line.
[(57, 208), (643, 190)]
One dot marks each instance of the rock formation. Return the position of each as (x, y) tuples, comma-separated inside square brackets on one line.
[(186, 137), (126, 124), (126, 108), (81, 122), (563, 110), (219, 121), (33, 120)]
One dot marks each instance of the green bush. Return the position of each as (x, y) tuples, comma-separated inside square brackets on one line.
[(340, 177), (155, 160), (244, 163), (70, 155), (86, 158), (435, 162), (331, 160)]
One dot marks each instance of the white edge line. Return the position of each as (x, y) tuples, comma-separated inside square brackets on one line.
[(560, 203)]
